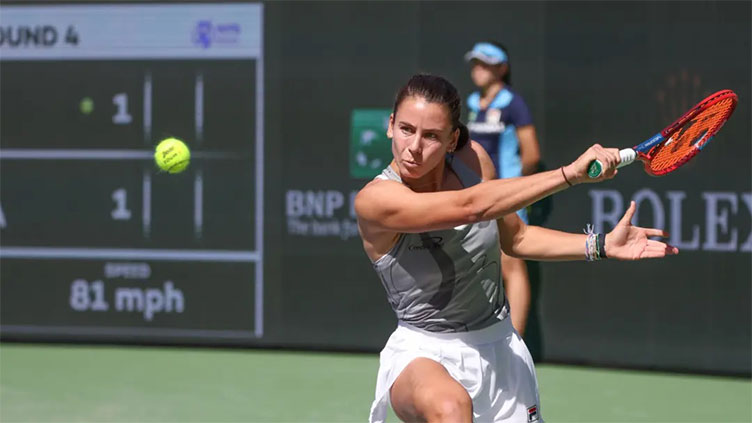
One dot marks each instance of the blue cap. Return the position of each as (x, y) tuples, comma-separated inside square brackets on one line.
[(487, 53)]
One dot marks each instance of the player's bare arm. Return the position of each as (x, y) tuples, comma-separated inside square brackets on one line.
[(625, 242), (392, 207)]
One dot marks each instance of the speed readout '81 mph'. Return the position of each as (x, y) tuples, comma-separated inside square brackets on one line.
[(91, 295)]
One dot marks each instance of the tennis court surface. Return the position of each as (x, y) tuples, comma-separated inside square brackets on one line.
[(46, 383)]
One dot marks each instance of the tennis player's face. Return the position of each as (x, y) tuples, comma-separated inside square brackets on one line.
[(421, 135)]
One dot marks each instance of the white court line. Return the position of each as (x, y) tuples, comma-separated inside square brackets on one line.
[(198, 204), (146, 202), (259, 294), (97, 154), (147, 108), (129, 254), (198, 182), (71, 154), (199, 109), (140, 332)]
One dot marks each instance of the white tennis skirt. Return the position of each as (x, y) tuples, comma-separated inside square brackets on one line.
[(493, 364)]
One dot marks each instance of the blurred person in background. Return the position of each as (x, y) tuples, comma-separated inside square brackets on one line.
[(501, 122)]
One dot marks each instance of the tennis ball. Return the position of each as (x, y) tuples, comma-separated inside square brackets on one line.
[(172, 155)]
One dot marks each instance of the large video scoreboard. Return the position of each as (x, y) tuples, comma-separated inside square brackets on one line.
[(95, 242)]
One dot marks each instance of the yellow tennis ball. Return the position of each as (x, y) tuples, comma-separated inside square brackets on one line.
[(172, 155)]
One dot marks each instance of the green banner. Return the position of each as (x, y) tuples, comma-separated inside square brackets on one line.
[(370, 149)]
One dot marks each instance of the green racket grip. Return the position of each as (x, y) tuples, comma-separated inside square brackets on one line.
[(595, 169), (626, 155)]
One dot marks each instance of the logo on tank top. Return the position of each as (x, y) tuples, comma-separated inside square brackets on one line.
[(493, 116), (482, 263), (431, 243), (532, 414)]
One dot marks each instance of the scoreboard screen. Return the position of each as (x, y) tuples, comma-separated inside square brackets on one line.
[(95, 241)]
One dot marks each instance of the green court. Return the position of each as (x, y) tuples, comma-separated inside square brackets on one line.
[(45, 383)]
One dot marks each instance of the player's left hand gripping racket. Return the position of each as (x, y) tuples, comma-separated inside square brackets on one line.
[(669, 149)]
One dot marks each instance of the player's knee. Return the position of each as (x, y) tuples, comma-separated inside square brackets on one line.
[(454, 406)]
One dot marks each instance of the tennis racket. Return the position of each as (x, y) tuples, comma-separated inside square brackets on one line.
[(669, 149)]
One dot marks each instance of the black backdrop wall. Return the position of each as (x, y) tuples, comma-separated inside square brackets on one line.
[(609, 72)]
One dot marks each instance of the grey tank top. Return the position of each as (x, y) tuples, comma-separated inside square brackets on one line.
[(447, 280)]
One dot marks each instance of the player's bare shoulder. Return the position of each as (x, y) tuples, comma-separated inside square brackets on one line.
[(370, 208), (366, 195), (475, 157), (370, 199), (371, 189)]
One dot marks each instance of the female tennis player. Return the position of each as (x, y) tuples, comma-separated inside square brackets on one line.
[(500, 121), (433, 224)]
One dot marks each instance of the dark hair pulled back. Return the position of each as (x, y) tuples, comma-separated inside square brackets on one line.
[(435, 89)]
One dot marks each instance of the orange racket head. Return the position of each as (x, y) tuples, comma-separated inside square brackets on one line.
[(689, 134)]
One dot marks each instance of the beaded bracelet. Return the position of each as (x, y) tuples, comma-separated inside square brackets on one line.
[(595, 245)]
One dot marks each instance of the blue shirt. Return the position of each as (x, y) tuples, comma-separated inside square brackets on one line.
[(495, 128)]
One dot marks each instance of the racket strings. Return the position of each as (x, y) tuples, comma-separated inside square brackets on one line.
[(691, 137)]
